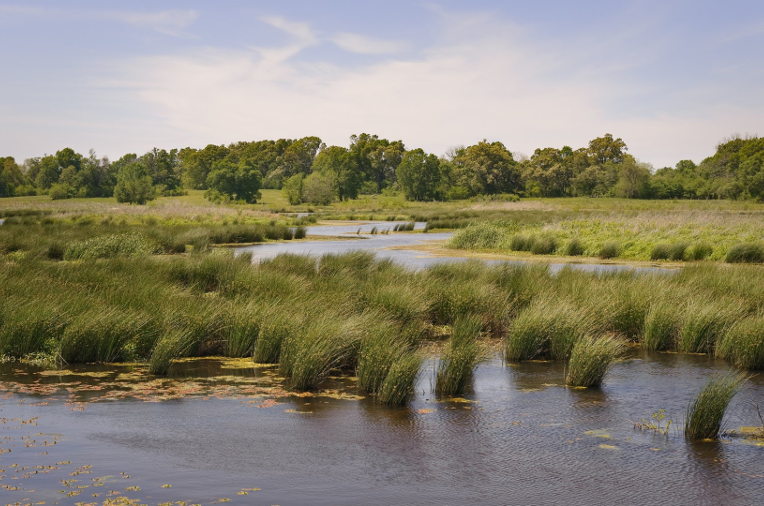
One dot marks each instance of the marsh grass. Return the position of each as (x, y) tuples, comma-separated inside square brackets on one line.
[(590, 359), (574, 248), (276, 324), (699, 251), (704, 323), (743, 343), (543, 245), (462, 355), (377, 354), (110, 246), (548, 328), (610, 249), (398, 387), (662, 323), (706, 413), (102, 334), (746, 253)]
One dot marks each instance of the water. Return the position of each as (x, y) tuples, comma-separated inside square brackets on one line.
[(519, 438), (399, 247)]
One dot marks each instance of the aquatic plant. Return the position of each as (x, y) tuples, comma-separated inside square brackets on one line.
[(705, 414), (399, 384), (743, 343), (661, 329), (590, 359), (377, 353), (704, 323), (548, 328), (460, 357)]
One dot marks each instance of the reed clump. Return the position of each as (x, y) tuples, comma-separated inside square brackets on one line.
[(610, 249), (460, 358), (743, 343), (661, 329), (590, 359), (548, 328), (398, 388), (751, 253), (706, 413), (574, 248)]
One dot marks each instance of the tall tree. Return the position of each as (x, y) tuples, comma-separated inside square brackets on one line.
[(234, 180), (487, 168), (134, 184), (420, 175), (337, 162)]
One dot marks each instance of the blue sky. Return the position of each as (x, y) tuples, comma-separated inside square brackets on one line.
[(671, 78)]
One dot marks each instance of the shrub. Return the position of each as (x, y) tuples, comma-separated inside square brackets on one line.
[(752, 253), (705, 414), (590, 359), (611, 249)]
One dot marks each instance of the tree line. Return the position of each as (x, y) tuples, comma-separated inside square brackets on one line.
[(309, 171)]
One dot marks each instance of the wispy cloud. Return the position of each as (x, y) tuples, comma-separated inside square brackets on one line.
[(169, 22), (356, 43)]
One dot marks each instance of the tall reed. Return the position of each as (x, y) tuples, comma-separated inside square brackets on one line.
[(743, 343), (400, 382), (460, 358), (591, 358), (705, 414)]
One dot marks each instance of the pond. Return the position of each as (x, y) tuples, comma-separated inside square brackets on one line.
[(397, 246), (225, 430)]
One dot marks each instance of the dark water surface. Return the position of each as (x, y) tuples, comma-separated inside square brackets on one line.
[(520, 438), (381, 245)]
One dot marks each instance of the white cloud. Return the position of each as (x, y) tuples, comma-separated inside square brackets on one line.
[(484, 78), (356, 43)]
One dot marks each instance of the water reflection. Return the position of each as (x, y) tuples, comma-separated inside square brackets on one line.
[(519, 437)]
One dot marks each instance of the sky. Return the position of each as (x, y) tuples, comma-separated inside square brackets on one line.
[(672, 78)]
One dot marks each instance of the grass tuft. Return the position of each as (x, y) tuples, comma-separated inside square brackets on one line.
[(705, 414), (590, 359)]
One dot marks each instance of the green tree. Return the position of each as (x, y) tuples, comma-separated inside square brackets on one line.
[(420, 175), (292, 189), (337, 163), (487, 168), (236, 181), (196, 164), (11, 177), (375, 159), (633, 179), (319, 188), (134, 184)]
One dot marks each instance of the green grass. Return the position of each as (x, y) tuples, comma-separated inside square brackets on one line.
[(460, 358), (705, 414), (590, 359), (398, 387), (546, 329), (743, 343)]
